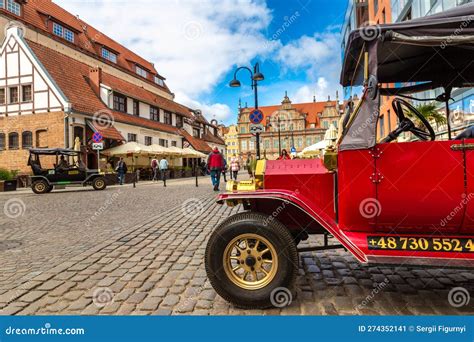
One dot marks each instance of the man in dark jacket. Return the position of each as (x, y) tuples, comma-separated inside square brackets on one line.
[(215, 165), (121, 170)]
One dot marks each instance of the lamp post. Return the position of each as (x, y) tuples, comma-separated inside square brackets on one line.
[(255, 77)]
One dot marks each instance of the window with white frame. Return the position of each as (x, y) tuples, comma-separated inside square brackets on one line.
[(13, 94), (11, 6), (140, 71), (159, 81), (109, 55), (63, 32), (26, 93)]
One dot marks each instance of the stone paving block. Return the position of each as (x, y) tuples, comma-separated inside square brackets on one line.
[(155, 266)]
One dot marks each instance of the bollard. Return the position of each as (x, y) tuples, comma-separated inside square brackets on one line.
[(196, 173)]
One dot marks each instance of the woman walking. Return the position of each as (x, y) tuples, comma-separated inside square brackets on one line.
[(234, 167)]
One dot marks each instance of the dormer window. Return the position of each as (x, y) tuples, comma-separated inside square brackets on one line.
[(109, 55), (140, 71), (63, 32), (11, 6), (159, 81)]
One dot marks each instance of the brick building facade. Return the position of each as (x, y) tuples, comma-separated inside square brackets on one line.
[(288, 125), (61, 79)]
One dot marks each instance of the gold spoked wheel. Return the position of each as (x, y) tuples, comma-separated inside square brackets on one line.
[(250, 261), (40, 187)]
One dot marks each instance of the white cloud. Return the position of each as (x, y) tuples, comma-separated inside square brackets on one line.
[(193, 43), (218, 111), (319, 57)]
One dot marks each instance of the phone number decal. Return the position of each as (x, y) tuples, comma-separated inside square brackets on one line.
[(430, 244)]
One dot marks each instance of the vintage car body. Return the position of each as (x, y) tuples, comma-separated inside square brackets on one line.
[(386, 202), (354, 207), (44, 180)]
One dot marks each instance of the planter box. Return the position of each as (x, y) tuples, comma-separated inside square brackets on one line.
[(8, 185)]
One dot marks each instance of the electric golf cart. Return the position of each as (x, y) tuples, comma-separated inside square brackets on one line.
[(67, 170), (386, 201)]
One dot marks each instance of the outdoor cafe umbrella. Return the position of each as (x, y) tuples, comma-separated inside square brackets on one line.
[(190, 153), (329, 138), (131, 147)]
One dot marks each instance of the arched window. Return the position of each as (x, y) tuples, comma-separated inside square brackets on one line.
[(13, 141), (2, 141), (27, 139)]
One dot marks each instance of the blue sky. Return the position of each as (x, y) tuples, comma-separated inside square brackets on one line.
[(197, 45)]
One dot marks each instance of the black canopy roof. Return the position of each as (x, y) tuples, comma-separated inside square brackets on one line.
[(437, 48), (54, 151)]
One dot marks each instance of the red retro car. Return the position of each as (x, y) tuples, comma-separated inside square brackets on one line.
[(386, 202)]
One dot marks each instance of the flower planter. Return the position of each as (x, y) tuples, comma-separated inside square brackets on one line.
[(8, 185)]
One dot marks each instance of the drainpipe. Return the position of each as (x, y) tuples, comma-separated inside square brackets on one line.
[(66, 127)]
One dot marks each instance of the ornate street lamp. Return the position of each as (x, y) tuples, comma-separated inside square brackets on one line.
[(255, 77)]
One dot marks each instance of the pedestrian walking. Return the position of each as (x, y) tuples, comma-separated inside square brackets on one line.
[(215, 165), (250, 164), (224, 170), (154, 168), (121, 170), (163, 169), (284, 155), (234, 167)]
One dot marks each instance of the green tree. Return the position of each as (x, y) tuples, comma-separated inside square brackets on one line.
[(430, 112)]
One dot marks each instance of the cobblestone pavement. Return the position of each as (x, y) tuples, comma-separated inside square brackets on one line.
[(149, 260)]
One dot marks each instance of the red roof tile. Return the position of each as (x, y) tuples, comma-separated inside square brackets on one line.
[(72, 77), (140, 93), (107, 131), (209, 137), (196, 143), (87, 38)]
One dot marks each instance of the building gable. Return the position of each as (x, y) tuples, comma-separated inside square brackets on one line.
[(25, 85)]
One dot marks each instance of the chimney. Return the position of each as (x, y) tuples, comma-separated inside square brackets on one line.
[(337, 96), (95, 77), (314, 98)]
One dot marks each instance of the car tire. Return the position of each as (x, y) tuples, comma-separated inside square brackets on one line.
[(228, 272), (99, 183), (40, 186)]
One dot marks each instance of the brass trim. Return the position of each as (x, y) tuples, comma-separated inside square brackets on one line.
[(462, 147)]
